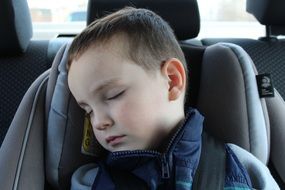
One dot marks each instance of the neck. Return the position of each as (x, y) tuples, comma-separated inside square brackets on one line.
[(165, 142)]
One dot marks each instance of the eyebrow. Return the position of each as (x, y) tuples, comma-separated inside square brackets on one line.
[(105, 84), (96, 89)]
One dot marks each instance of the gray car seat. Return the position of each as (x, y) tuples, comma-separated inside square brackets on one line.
[(271, 59), (22, 60), (268, 52), (268, 55), (43, 145)]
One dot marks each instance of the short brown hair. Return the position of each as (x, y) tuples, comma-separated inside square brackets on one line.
[(151, 40)]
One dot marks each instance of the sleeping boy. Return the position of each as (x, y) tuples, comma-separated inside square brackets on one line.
[(128, 72)]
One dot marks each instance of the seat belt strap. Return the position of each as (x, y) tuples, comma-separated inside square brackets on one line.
[(210, 173)]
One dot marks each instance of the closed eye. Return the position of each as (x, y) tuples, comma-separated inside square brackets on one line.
[(116, 95)]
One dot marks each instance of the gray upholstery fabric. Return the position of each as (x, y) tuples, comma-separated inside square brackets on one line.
[(64, 128), (54, 46), (182, 9), (57, 117), (30, 162), (260, 176), (229, 99), (276, 110), (15, 27), (21, 60), (53, 78), (22, 152), (17, 73), (268, 57)]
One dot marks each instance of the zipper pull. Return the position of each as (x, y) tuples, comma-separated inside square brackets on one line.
[(165, 174)]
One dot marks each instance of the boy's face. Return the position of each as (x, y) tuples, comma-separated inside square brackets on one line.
[(128, 107)]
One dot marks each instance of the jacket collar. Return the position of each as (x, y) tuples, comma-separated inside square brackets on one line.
[(187, 138), (161, 169)]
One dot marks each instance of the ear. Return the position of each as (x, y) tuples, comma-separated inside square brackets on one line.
[(174, 71)]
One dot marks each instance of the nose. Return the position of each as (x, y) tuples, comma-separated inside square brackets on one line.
[(101, 121)]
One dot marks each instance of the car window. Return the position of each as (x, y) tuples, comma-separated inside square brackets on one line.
[(227, 18), (57, 17), (219, 18), (77, 16)]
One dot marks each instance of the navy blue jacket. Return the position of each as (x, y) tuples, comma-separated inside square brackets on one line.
[(174, 169)]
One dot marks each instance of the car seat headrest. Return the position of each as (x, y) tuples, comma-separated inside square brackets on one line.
[(269, 13), (182, 15), (15, 27)]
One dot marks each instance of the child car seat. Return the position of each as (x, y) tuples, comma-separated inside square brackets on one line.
[(268, 55), (43, 145)]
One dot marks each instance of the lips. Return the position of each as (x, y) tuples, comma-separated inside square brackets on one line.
[(114, 140)]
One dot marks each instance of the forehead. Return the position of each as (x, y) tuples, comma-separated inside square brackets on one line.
[(103, 60), (115, 47), (99, 62), (117, 44)]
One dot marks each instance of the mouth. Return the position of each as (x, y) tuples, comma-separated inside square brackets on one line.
[(114, 140)]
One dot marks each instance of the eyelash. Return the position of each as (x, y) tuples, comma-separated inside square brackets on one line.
[(117, 95), (111, 98)]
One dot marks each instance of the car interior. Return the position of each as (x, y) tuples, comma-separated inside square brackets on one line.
[(41, 125), (22, 59), (267, 53)]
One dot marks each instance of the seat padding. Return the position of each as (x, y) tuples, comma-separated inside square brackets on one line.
[(22, 152), (64, 127), (229, 99), (276, 110)]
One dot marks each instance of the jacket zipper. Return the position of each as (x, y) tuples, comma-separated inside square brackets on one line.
[(165, 174), (135, 152), (165, 168), (178, 131)]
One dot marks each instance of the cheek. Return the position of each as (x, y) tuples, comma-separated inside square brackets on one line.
[(125, 113), (138, 115), (100, 137)]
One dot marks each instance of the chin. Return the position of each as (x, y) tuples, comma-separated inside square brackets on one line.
[(126, 149)]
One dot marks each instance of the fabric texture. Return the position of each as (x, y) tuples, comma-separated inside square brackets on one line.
[(268, 57), (86, 175), (64, 127), (276, 110), (181, 158), (19, 72), (22, 151), (259, 174), (228, 76)]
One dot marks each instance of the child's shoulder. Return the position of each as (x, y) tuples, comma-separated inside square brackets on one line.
[(250, 167)]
